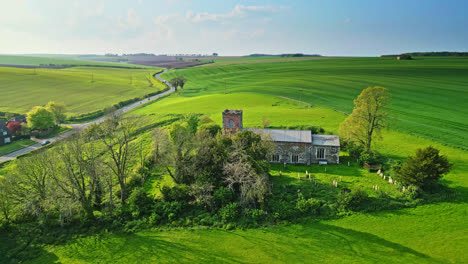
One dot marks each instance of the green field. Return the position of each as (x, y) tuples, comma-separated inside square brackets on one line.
[(429, 95), (69, 60), (432, 233), (82, 89)]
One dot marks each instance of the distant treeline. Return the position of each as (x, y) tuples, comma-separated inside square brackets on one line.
[(285, 55), (139, 54), (433, 53)]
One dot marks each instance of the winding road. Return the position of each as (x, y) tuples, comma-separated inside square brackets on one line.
[(81, 126)]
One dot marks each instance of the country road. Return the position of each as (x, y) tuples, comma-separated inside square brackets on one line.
[(82, 126)]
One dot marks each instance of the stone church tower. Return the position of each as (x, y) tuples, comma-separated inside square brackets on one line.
[(232, 121)]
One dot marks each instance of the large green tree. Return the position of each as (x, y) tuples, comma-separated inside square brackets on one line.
[(40, 118), (368, 118), (58, 110), (423, 169)]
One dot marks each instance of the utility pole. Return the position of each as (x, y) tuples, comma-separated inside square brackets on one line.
[(300, 97)]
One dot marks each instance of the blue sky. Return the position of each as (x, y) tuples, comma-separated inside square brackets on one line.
[(327, 27)]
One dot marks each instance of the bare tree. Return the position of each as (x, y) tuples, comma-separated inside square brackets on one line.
[(203, 193), (80, 172), (116, 133), (32, 182)]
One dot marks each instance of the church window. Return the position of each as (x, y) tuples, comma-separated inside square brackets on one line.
[(295, 158), (231, 124), (320, 153), (275, 158)]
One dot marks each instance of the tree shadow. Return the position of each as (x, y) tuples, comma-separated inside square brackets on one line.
[(17, 249), (325, 241)]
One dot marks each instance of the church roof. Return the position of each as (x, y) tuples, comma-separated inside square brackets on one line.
[(232, 111), (326, 140), (285, 135)]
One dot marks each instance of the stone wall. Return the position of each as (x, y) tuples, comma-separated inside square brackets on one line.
[(286, 150), (332, 154), (232, 121)]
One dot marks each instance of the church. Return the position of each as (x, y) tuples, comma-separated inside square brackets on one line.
[(291, 146)]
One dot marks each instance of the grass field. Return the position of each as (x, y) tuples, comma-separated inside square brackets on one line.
[(17, 145), (429, 94), (432, 233), (82, 89), (403, 236)]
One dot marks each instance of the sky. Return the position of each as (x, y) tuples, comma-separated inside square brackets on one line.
[(227, 27)]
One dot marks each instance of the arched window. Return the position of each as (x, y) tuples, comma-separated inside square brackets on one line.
[(231, 124)]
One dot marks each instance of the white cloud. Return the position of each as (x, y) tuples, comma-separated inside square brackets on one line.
[(130, 22), (237, 11)]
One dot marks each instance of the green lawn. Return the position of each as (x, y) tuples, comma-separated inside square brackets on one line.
[(420, 235), (14, 146), (82, 89), (429, 94)]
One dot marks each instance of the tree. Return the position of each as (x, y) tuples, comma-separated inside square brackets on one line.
[(5, 200), (178, 82), (247, 170), (368, 117), (116, 133), (32, 182), (265, 122), (58, 110), (14, 127), (40, 118), (424, 169), (80, 172)]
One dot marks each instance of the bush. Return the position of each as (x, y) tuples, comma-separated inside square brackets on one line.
[(168, 210), (222, 196), (309, 206), (139, 203), (371, 158), (179, 192), (352, 200), (254, 214), (424, 169), (353, 150), (282, 210), (230, 212)]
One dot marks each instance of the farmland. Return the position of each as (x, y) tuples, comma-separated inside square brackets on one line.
[(82, 89), (434, 232), (59, 61), (431, 233), (428, 94)]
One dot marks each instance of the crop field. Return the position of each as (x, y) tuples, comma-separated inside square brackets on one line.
[(429, 95), (63, 60), (430, 233), (82, 89)]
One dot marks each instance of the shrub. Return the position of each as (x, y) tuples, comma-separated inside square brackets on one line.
[(169, 210), (139, 203), (424, 169), (230, 212), (282, 210), (352, 200), (371, 158), (255, 214), (222, 196), (353, 150), (309, 206), (179, 192)]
